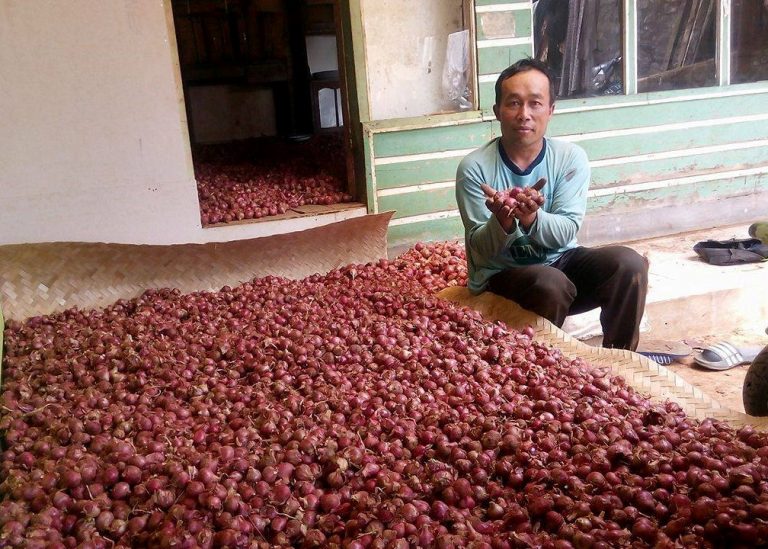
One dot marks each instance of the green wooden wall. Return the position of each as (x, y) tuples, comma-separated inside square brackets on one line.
[(647, 151)]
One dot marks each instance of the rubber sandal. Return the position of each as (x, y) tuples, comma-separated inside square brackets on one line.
[(665, 359), (723, 356), (664, 352)]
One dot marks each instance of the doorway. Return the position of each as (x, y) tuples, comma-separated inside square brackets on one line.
[(265, 106)]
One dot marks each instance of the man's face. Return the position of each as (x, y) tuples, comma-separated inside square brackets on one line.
[(525, 108)]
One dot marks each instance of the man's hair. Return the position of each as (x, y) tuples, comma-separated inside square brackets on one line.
[(525, 64)]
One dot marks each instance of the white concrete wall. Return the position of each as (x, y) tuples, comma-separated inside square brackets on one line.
[(93, 142), (93, 133), (405, 43), (93, 138)]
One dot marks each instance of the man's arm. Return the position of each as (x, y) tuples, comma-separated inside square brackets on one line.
[(558, 226)]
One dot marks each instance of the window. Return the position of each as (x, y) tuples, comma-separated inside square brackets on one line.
[(580, 41), (749, 41), (676, 44)]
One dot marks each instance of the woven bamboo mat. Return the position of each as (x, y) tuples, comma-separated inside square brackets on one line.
[(644, 375), (39, 279)]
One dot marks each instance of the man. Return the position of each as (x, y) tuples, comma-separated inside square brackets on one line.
[(529, 253)]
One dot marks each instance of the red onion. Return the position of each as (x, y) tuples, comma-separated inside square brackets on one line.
[(350, 409)]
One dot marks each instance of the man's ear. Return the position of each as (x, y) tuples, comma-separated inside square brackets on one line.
[(551, 109), (496, 112)]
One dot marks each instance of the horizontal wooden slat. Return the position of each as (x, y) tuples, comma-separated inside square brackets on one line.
[(439, 229), (677, 140), (491, 61), (648, 170), (449, 227), (680, 194), (426, 140), (416, 203), (571, 123), (622, 149), (412, 173), (411, 204)]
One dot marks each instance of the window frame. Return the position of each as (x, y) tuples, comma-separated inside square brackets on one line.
[(723, 10)]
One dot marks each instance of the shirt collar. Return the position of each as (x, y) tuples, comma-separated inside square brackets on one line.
[(512, 166)]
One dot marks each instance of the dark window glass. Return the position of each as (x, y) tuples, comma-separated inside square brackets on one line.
[(749, 41), (676, 44), (580, 40)]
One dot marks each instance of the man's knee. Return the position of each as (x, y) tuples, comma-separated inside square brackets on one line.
[(534, 283), (554, 284), (629, 263)]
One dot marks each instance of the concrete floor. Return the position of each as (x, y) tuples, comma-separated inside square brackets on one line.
[(692, 304)]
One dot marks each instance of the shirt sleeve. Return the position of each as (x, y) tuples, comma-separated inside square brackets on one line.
[(557, 225), (485, 238)]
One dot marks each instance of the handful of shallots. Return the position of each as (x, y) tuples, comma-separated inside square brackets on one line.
[(511, 197)]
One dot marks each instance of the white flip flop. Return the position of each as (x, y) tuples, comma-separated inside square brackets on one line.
[(723, 356)]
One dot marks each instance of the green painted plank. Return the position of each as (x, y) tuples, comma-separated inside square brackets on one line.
[(494, 63), (432, 139), (491, 61), (444, 169), (487, 96), (426, 231), (513, 23), (666, 168), (681, 194), (655, 114), (425, 140), (418, 203), (669, 96), (370, 192), (411, 204), (674, 140), (452, 229), (495, 60), (467, 136), (421, 122), (413, 173)]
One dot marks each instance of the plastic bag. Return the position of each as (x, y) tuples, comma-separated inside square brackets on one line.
[(456, 70)]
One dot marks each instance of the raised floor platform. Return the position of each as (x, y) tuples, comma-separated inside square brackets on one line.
[(693, 303)]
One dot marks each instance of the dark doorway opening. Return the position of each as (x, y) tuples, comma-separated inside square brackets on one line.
[(265, 106)]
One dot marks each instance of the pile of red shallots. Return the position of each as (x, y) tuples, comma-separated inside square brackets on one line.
[(348, 410), (266, 177)]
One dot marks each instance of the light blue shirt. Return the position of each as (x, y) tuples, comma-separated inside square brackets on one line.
[(489, 248)]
